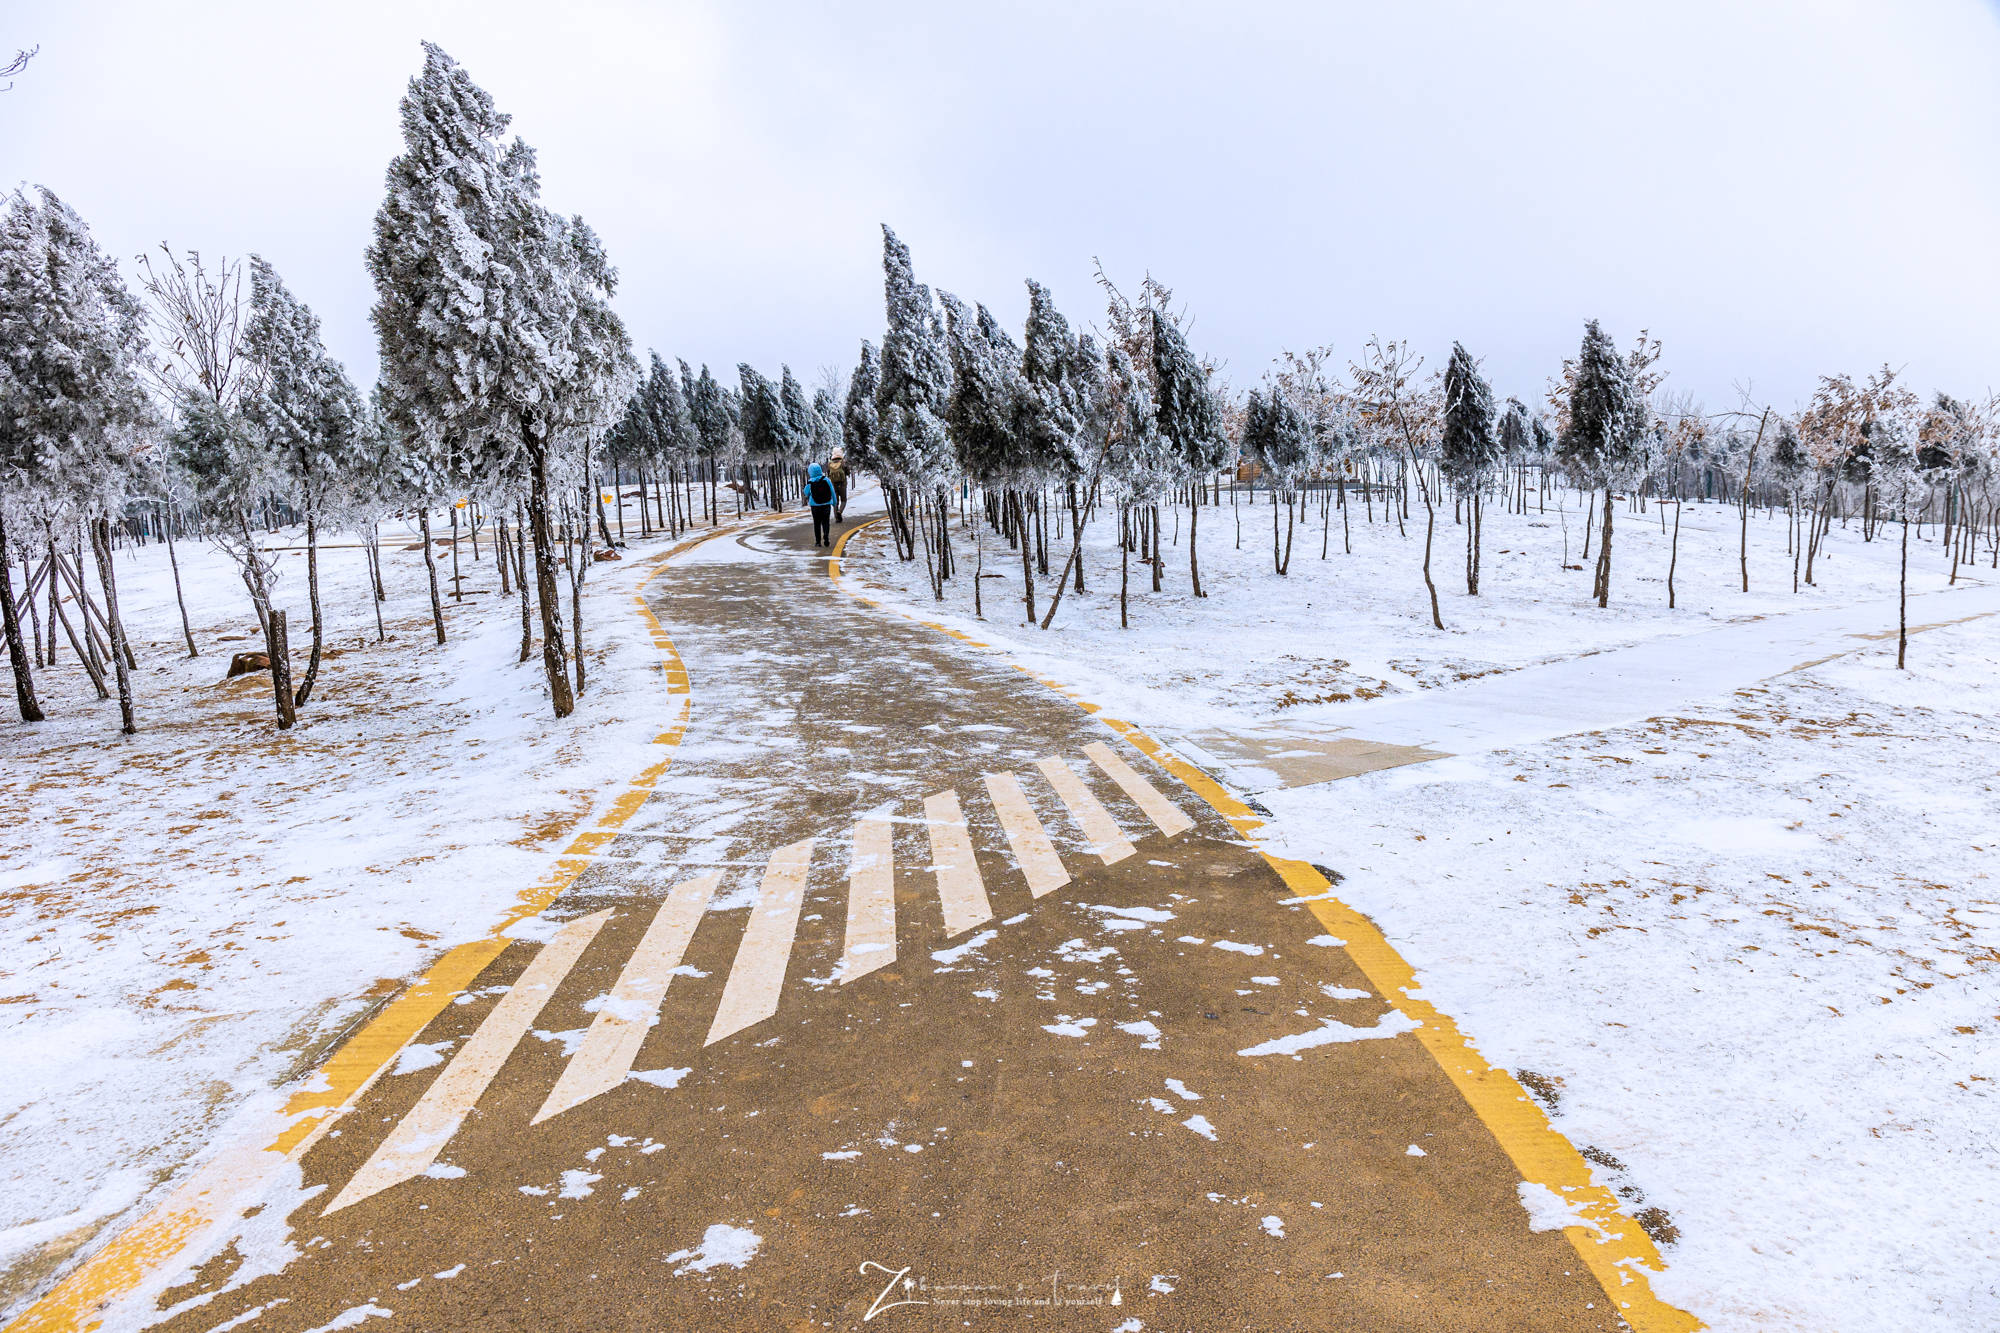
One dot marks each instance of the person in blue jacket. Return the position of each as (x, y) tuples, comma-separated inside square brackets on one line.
[(820, 496)]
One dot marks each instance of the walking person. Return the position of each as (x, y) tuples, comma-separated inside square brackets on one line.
[(820, 497), (836, 472)]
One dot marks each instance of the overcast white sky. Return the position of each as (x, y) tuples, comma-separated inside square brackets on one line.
[(1775, 189)]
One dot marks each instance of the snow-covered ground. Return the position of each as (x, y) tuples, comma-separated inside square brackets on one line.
[(190, 914), (1744, 943)]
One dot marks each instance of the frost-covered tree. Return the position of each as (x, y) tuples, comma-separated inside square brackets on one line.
[(713, 411), (1467, 449), (74, 407), (670, 428), (987, 425), (1277, 436), (311, 419), (1405, 416), (914, 383), (1602, 439), (492, 314), (859, 422), (912, 451), (766, 432), (1188, 418)]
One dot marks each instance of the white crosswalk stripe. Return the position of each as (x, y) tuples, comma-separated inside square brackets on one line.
[(1099, 828), (960, 890), (1037, 855), (419, 1136), (751, 994), (871, 899), (619, 1029), (1166, 816)]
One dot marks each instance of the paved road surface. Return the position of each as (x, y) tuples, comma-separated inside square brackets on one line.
[(947, 979)]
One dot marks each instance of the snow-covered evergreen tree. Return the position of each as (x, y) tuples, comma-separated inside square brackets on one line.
[(1277, 436), (74, 407), (1467, 449), (498, 345), (1189, 419), (859, 422), (1601, 440), (914, 384)]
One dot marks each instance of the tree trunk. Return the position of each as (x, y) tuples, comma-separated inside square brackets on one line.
[(576, 577), (121, 649), (17, 651), (1903, 596), (430, 566), (1673, 555), (371, 550), (1277, 559), (1604, 554), (318, 621), (1194, 560), (281, 670), (521, 577), (1125, 563), (546, 594), (457, 581), (1027, 561), (186, 630), (1157, 562)]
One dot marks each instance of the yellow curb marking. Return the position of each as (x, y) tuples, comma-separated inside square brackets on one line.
[(619, 1029), (414, 1144), (1616, 1250), (871, 899), (758, 975), (1038, 857), (961, 893), (236, 1175)]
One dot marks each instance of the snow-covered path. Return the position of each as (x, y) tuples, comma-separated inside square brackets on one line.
[(1625, 685), (1594, 692)]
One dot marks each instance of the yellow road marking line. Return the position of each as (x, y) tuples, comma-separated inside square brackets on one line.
[(422, 1134), (961, 892), (236, 1176), (1616, 1250), (1039, 861), (1166, 816), (751, 994), (1099, 828), (871, 898), (619, 1029)]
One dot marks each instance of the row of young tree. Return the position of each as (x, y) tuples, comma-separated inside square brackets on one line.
[(1027, 438), (209, 407), (508, 391)]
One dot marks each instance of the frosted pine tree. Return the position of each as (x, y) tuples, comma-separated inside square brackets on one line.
[(912, 450), (1467, 449), (985, 423), (1189, 420), (1061, 379), (311, 418), (859, 423), (762, 421), (1276, 435), (1601, 439), (74, 408), (492, 313)]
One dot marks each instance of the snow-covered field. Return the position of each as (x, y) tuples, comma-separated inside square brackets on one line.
[(1746, 951), (192, 913)]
